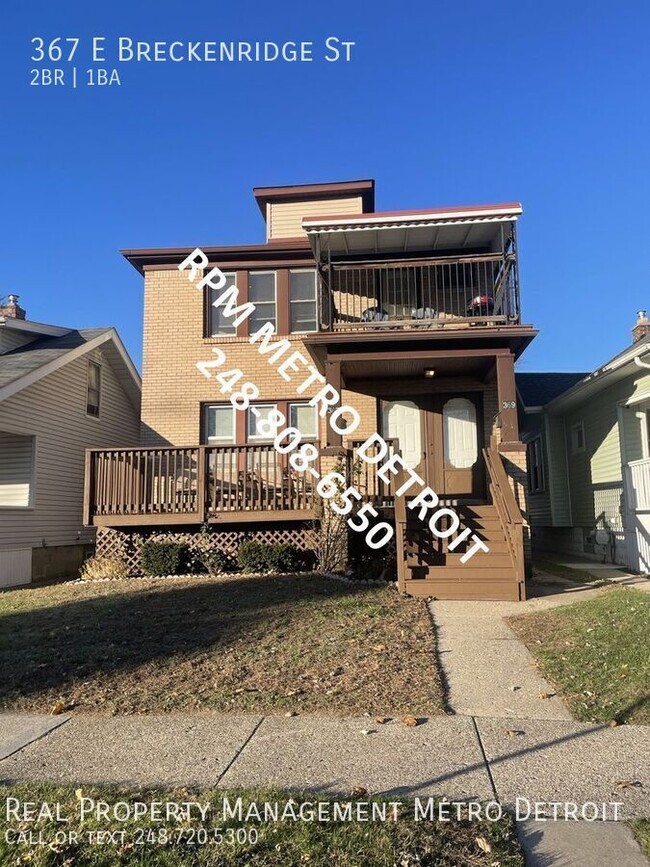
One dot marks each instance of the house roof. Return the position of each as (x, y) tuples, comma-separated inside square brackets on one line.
[(537, 389), (364, 188), (27, 364)]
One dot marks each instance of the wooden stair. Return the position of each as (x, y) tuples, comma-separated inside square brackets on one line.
[(426, 567)]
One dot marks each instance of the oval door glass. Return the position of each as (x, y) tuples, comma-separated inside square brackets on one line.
[(401, 420), (460, 433)]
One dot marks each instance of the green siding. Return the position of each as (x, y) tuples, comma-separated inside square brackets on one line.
[(558, 471), (539, 504)]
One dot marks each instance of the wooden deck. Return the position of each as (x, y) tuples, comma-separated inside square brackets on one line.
[(194, 484)]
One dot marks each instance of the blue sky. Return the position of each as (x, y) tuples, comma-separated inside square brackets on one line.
[(442, 103)]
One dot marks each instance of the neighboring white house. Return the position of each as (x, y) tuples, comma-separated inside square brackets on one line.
[(61, 391)]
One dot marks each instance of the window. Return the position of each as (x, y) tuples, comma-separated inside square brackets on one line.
[(460, 433), (535, 461), (17, 460), (94, 383), (220, 424), (577, 437), (261, 292), (220, 325), (303, 417), (254, 419), (302, 301)]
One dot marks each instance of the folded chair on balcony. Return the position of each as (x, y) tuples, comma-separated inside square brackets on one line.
[(374, 314)]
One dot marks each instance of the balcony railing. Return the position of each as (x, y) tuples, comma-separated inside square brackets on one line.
[(450, 292), (189, 485)]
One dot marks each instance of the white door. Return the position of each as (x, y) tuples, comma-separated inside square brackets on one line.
[(401, 420)]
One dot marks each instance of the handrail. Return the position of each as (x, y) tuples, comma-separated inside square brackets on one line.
[(499, 477), (400, 530), (508, 511)]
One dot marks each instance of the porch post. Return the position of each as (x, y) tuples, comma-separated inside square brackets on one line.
[(333, 378), (507, 393)]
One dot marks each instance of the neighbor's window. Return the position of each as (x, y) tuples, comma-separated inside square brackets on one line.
[(578, 437), (220, 424), (220, 325), (16, 471), (94, 385), (261, 292), (254, 419), (535, 462), (303, 417), (302, 301)]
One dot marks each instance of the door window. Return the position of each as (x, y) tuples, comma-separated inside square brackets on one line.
[(460, 433)]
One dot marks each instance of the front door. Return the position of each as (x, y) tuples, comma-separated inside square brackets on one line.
[(440, 437)]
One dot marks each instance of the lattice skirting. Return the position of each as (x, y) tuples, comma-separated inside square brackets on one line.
[(127, 544)]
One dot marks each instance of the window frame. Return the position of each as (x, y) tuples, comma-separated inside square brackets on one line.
[(577, 427), (314, 272), (93, 364), (254, 438), (251, 273), (31, 502), (535, 447), (219, 440), (231, 278), (293, 403)]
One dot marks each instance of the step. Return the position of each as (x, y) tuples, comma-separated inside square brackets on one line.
[(468, 572), (494, 560), (504, 590)]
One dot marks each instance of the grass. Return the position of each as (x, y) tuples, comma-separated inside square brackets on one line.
[(572, 573), (263, 644), (596, 653), (404, 842), (641, 830)]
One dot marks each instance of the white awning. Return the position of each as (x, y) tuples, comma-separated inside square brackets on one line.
[(478, 227)]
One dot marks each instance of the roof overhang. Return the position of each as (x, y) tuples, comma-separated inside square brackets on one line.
[(457, 228), (365, 189), (29, 327), (625, 363)]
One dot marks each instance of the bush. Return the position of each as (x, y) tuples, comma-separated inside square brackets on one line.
[(276, 557), (112, 568), (165, 558), (217, 562)]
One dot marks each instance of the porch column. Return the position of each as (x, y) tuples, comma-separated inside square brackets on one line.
[(507, 393), (333, 378)]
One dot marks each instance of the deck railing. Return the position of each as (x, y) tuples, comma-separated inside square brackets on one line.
[(450, 292), (190, 484), (363, 475)]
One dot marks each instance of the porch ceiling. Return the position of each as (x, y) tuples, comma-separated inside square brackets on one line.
[(412, 368)]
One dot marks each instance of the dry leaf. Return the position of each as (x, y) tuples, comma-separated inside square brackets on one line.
[(628, 784), (382, 720), (367, 731), (515, 732), (409, 720), (359, 792), (612, 723), (483, 844), (78, 793), (379, 648), (291, 713), (58, 708), (545, 695)]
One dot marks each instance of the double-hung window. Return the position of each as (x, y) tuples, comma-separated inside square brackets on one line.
[(220, 325), (302, 301), (257, 414), (261, 292), (220, 424), (535, 460), (93, 388), (304, 417)]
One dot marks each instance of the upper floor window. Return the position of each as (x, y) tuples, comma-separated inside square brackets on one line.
[(220, 325), (304, 417), (535, 462), (93, 388), (261, 292), (302, 301)]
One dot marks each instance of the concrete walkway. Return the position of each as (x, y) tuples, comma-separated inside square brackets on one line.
[(488, 670)]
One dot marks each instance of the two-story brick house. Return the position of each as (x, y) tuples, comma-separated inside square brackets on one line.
[(413, 316)]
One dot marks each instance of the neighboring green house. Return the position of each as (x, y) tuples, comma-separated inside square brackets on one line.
[(588, 445)]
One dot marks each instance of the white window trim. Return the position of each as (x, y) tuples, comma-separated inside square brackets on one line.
[(577, 450), (275, 294), (304, 403), (541, 472), (304, 271), (216, 440), (257, 437), (231, 277)]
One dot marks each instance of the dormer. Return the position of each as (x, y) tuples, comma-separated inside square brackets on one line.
[(284, 208)]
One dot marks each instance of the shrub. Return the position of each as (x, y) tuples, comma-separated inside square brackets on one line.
[(165, 558), (276, 557), (113, 568), (217, 562)]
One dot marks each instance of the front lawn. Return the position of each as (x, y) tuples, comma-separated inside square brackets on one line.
[(213, 841), (267, 644), (596, 653), (641, 830)]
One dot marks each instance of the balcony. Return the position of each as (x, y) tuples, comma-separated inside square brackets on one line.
[(191, 485), (450, 293)]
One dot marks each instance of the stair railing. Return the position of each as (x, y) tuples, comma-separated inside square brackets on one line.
[(400, 533), (508, 510)]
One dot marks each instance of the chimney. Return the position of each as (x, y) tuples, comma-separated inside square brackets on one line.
[(641, 328), (12, 310)]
